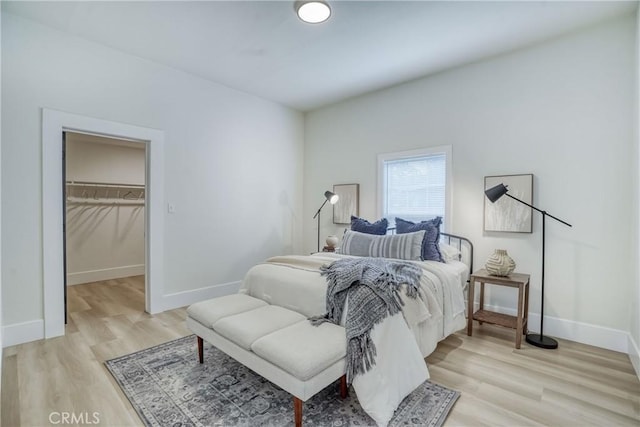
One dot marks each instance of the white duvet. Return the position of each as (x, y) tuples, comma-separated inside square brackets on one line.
[(402, 341)]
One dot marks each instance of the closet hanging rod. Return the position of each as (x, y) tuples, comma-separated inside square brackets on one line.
[(103, 184)]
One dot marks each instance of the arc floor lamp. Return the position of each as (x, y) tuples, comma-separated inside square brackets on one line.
[(328, 197), (539, 340)]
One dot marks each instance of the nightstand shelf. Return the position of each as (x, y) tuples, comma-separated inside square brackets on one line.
[(496, 318), (514, 280)]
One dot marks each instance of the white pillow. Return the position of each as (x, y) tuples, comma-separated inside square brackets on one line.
[(449, 253)]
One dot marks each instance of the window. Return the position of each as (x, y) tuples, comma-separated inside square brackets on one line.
[(414, 185)]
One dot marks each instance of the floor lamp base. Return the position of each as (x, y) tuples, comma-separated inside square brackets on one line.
[(541, 341)]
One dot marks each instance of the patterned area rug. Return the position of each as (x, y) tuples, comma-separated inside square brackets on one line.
[(168, 387)]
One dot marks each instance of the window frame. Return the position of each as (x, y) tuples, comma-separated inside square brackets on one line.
[(421, 152)]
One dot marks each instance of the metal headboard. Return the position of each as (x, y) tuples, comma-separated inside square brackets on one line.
[(461, 239), (456, 239)]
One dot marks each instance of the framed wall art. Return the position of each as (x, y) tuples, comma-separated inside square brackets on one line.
[(348, 203), (507, 214)]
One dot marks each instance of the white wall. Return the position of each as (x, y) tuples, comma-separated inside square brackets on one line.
[(1, 312), (563, 111), (634, 327), (103, 241), (88, 160), (233, 162)]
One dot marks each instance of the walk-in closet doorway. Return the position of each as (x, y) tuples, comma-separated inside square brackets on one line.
[(104, 182), (54, 124)]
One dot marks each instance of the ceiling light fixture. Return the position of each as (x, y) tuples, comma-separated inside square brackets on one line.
[(313, 11)]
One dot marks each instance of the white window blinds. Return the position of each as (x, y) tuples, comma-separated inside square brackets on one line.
[(414, 188)]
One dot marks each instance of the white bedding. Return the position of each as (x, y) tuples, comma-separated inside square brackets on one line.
[(294, 282)]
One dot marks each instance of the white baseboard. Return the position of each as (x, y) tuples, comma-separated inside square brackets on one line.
[(585, 333), (104, 274), (19, 333), (181, 299), (634, 355), (612, 339)]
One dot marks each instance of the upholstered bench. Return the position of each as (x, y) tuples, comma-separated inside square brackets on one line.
[(277, 343)]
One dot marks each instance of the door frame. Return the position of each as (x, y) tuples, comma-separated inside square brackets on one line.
[(54, 123)]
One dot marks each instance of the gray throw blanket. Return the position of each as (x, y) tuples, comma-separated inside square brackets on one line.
[(372, 286)]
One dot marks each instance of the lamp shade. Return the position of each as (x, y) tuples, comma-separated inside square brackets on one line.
[(494, 193), (331, 197)]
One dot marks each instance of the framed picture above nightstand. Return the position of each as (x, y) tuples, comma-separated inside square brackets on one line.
[(348, 203), (507, 214)]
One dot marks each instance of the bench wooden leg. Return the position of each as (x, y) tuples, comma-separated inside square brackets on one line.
[(344, 390), (200, 350), (297, 411)]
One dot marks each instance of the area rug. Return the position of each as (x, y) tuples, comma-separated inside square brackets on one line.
[(168, 387)]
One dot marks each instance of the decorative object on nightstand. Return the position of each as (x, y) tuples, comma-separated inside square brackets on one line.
[(328, 197), (539, 340), (500, 263), (514, 280), (332, 241)]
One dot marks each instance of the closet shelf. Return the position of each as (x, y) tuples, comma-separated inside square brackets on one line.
[(92, 191), (102, 184)]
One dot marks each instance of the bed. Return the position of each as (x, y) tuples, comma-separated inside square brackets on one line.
[(403, 340), (294, 282)]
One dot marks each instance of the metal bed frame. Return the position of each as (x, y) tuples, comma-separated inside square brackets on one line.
[(456, 239)]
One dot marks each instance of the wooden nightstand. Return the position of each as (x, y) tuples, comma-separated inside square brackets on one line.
[(514, 280), (329, 249)]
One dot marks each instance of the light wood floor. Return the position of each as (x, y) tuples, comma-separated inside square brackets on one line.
[(106, 320), (576, 385)]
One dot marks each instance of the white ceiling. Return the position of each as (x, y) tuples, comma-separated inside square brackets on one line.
[(261, 47)]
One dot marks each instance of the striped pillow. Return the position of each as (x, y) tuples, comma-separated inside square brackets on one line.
[(400, 246)]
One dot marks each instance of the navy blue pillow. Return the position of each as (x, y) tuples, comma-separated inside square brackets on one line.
[(363, 226), (430, 248)]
